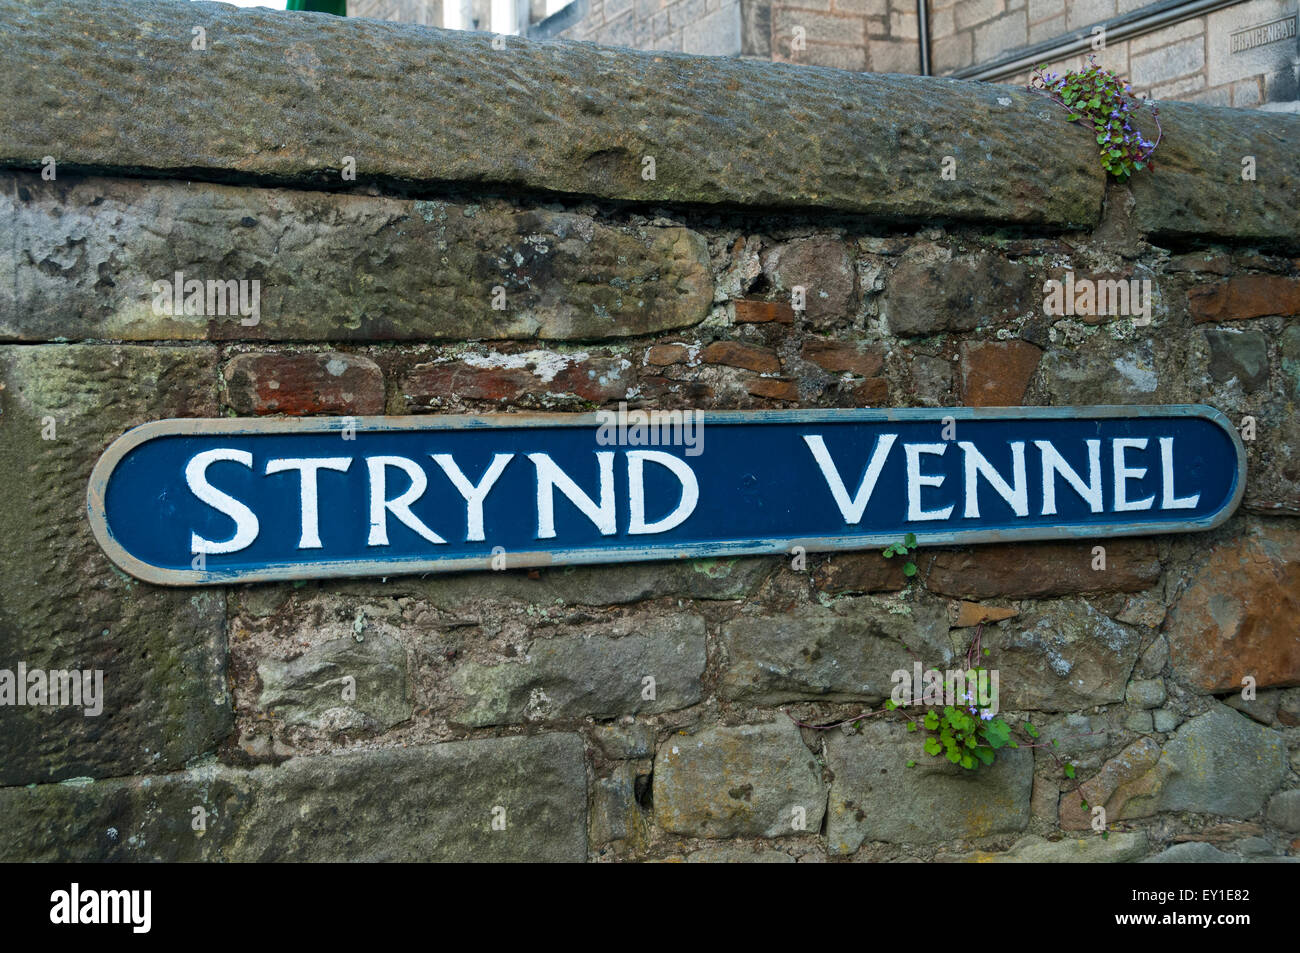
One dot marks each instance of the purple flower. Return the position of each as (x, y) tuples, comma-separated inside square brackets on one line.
[(986, 715)]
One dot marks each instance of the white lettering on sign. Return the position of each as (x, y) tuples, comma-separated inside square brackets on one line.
[(1015, 491), (474, 494), (851, 509), (690, 493), (1124, 473), (196, 475), (1168, 501), (381, 506), (1054, 463), (550, 478), (307, 469), (916, 480), (1009, 482)]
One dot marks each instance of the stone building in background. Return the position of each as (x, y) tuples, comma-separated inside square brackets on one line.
[(1242, 53)]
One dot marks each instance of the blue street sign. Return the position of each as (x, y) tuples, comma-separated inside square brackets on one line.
[(192, 502)]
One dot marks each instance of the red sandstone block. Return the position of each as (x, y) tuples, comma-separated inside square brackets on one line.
[(325, 382), (734, 354), (841, 357), (662, 355), (997, 373), (773, 388), (763, 312), (1245, 296)]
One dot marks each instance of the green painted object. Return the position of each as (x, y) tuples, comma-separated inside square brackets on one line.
[(337, 7)]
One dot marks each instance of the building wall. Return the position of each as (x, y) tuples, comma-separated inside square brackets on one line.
[(1202, 59), (876, 35), (421, 12), (710, 27)]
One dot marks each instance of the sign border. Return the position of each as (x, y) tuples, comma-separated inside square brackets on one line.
[(279, 572)]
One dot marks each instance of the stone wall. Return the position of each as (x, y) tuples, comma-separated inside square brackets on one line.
[(500, 715)]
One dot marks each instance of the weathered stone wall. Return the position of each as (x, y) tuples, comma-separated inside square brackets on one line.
[(519, 694)]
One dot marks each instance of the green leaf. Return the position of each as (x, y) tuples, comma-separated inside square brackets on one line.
[(985, 754), (967, 762), (910, 540), (932, 746), (890, 704), (911, 726), (909, 569), (953, 756), (998, 733), (1054, 743), (911, 764), (1069, 771), (931, 721), (1033, 732)]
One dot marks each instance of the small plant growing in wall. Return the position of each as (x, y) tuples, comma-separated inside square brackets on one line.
[(902, 548), (967, 735), (1099, 97), (968, 732)]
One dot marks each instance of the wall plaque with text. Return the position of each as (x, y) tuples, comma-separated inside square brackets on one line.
[(192, 502)]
